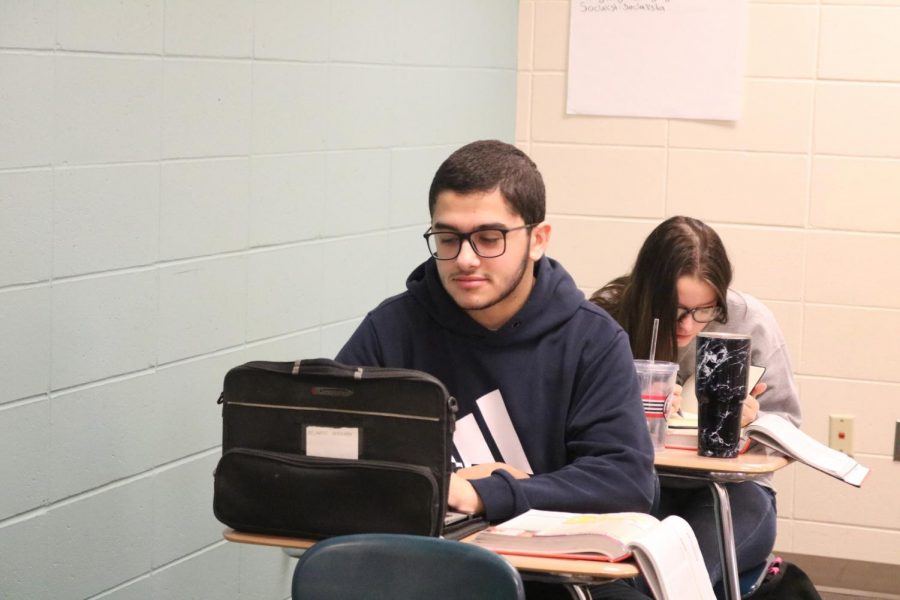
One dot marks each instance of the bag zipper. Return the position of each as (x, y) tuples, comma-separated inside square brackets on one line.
[(327, 367), (325, 462), (335, 410)]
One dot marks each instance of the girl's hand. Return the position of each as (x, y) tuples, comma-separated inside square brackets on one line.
[(750, 410), (674, 401)]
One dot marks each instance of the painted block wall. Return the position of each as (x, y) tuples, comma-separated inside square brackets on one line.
[(185, 186), (805, 192)]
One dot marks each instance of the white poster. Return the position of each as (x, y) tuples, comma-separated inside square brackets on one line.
[(657, 58)]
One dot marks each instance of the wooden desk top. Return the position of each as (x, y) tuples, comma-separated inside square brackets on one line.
[(267, 540), (582, 571), (749, 463), (579, 570)]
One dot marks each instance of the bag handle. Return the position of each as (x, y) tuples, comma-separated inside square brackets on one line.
[(331, 368), (325, 366)]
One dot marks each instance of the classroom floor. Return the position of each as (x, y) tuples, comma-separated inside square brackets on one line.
[(837, 579)]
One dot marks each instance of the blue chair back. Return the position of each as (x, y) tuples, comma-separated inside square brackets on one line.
[(751, 579), (380, 566), (748, 580)]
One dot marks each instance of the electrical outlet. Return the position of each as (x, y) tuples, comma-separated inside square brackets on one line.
[(840, 433)]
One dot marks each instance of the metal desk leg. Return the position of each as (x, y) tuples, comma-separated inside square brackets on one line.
[(579, 593), (727, 554)]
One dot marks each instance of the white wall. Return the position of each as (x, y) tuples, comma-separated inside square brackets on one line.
[(184, 186)]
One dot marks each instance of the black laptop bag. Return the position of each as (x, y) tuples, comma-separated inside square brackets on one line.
[(315, 448)]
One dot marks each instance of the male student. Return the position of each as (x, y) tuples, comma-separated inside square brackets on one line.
[(503, 326), (548, 398)]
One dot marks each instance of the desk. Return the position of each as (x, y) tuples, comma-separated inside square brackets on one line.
[(687, 464), (575, 573)]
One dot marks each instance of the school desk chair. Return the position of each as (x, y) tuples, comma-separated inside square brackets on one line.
[(750, 580), (379, 566)]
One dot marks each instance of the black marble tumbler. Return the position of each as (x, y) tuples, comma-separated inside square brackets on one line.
[(723, 364)]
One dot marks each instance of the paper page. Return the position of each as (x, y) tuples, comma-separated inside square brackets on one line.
[(779, 433), (670, 561), (657, 58), (470, 444), (623, 526), (533, 520), (687, 420), (689, 397), (495, 416), (856, 475), (583, 536)]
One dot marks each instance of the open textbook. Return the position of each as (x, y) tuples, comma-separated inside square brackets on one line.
[(780, 434), (666, 551)]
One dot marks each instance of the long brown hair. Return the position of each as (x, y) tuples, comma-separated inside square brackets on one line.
[(678, 246)]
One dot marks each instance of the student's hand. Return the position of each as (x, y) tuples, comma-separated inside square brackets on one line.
[(674, 401), (463, 497), (485, 470), (750, 410)]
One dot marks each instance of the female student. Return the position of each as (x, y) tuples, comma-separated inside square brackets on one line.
[(682, 277)]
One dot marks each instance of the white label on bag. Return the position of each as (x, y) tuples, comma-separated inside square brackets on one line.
[(332, 442)]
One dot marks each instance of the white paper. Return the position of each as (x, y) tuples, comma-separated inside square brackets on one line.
[(500, 426), (657, 58), (332, 442), (670, 560), (469, 442), (856, 475), (779, 433)]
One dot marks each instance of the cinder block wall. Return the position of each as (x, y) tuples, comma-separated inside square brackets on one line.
[(184, 186), (805, 191)]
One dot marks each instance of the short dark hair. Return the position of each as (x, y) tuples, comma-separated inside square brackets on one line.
[(486, 165), (678, 246)]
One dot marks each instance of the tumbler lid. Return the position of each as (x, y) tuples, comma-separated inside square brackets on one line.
[(724, 335), (656, 366)]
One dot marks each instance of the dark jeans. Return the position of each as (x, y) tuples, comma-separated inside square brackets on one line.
[(752, 514)]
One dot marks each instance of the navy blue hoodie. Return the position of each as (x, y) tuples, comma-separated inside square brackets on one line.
[(564, 370)]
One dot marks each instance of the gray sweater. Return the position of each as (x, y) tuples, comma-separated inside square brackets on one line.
[(746, 314)]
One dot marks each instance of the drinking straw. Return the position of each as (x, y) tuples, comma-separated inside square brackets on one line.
[(653, 338)]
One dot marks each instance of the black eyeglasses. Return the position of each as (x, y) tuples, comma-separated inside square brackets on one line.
[(486, 243), (701, 314)]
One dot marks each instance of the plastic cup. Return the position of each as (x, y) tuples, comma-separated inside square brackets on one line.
[(657, 380), (723, 364)]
